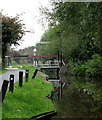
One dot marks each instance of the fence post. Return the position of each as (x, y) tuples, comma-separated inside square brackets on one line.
[(35, 73), (4, 89), (11, 88), (20, 78), (27, 75)]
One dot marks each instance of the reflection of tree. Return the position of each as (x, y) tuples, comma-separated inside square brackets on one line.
[(82, 99), (75, 105), (51, 73)]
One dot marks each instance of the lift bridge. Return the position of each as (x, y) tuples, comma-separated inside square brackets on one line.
[(49, 65)]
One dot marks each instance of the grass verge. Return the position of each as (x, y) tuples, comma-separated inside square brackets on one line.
[(3, 71), (29, 100)]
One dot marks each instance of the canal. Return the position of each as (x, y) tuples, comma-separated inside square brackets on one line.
[(81, 97)]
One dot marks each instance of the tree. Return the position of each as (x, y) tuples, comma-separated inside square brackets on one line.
[(78, 28), (12, 32)]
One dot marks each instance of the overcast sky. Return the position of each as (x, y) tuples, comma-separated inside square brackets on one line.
[(30, 17)]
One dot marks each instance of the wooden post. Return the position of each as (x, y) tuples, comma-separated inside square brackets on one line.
[(27, 75), (61, 90), (8, 60), (20, 78), (58, 55), (58, 73), (11, 88), (4, 89), (58, 92), (61, 61), (35, 73)]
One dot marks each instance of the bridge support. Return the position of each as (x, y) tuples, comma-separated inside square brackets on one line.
[(35, 63)]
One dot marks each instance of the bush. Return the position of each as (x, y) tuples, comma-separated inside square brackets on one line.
[(92, 67)]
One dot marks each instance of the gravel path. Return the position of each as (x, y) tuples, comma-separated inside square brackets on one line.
[(6, 76)]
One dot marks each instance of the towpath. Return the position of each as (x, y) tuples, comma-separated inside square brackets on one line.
[(6, 76)]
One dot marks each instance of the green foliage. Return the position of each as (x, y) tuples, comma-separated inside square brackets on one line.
[(92, 67), (3, 71), (76, 69), (12, 32), (26, 51), (76, 29)]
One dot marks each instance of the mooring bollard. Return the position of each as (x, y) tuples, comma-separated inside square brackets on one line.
[(4, 89), (11, 88), (27, 75), (35, 73), (20, 78)]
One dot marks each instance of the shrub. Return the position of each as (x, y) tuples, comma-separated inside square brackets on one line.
[(92, 67)]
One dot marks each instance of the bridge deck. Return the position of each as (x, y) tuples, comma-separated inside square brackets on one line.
[(53, 80), (50, 67)]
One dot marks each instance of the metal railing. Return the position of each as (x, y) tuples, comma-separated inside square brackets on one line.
[(54, 63)]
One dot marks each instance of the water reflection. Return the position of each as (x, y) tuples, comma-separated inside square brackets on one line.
[(52, 73), (77, 97), (81, 99)]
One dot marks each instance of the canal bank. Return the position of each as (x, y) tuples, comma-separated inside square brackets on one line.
[(28, 100)]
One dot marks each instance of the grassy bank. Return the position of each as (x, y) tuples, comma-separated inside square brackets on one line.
[(2, 71), (29, 100)]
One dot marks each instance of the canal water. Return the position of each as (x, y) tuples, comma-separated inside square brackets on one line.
[(81, 97)]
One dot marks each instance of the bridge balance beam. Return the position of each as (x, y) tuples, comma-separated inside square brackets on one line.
[(30, 56)]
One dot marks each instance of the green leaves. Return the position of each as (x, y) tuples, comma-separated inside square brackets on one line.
[(77, 29), (12, 29), (12, 32), (92, 67)]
